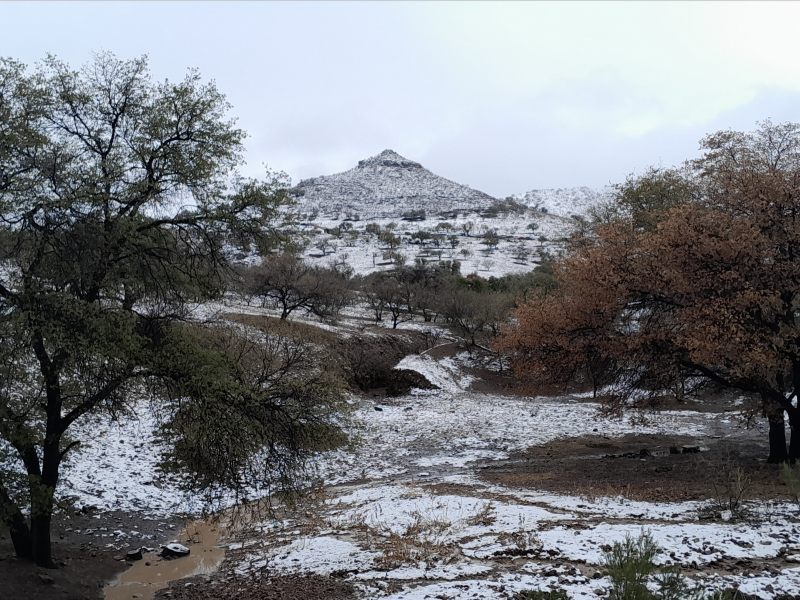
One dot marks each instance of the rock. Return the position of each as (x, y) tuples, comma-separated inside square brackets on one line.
[(423, 474), (645, 452), (674, 450), (402, 381), (134, 554), (726, 515), (793, 558), (46, 579), (175, 551), (690, 449), (118, 557), (378, 408)]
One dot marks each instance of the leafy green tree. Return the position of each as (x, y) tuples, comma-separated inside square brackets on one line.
[(391, 240), (490, 239), (646, 199), (119, 205)]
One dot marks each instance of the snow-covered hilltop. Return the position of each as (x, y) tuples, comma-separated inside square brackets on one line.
[(389, 186), (563, 202), (386, 185)]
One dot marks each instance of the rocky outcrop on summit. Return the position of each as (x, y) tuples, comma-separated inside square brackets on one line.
[(386, 185)]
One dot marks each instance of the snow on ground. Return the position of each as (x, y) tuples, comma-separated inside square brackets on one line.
[(441, 373), (471, 539), (115, 469), (565, 202), (519, 250), (559, 546), (458, 545), (445, 429)]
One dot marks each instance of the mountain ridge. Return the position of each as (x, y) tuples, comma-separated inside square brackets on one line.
[(390, 185)]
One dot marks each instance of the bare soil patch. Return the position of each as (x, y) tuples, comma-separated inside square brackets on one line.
[(641, 467), (84, 564)]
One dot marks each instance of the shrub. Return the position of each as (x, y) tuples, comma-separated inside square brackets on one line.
[(556, 593), (367, 361), (791, 477), (630, 566)]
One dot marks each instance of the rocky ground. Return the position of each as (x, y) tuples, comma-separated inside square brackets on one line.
[(85, 562)]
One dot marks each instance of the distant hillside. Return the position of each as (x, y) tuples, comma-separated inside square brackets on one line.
[(563, 202), (386, 185)]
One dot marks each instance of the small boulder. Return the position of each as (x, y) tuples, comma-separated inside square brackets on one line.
[(134, 554), (46, 579), (691, 449), (175, 551)]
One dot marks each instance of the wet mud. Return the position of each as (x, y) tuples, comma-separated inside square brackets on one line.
[(152, 573)]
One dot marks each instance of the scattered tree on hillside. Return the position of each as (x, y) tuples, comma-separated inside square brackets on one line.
[(391, 240), (701, 291), (490, 239), (521, 253), (119, 205), (288, 283), (373, 228), (383, 293), (473, 312)]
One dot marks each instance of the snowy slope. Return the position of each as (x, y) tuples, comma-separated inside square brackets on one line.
[(386, 185), (519, 250), (563, 202)]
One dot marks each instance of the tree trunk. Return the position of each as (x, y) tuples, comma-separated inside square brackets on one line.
[(777, 436), (794, 442), (40, 535), (17, 527), (42, 496)]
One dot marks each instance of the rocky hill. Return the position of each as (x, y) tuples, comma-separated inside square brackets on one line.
[(386, 185)]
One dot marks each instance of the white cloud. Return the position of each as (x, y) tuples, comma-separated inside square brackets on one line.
[(629, 68)]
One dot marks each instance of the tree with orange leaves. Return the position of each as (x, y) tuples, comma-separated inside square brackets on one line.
[(700, 291)]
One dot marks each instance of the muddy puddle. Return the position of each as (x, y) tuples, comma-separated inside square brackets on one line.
[(153, 573)]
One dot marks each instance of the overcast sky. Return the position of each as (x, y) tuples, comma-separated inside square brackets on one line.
[(504, 97)]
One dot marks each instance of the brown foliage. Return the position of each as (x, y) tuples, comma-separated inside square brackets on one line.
[(709, 295)]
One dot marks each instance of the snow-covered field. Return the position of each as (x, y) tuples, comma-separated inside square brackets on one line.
[(463, 545), (519, 249), (406, 516)]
